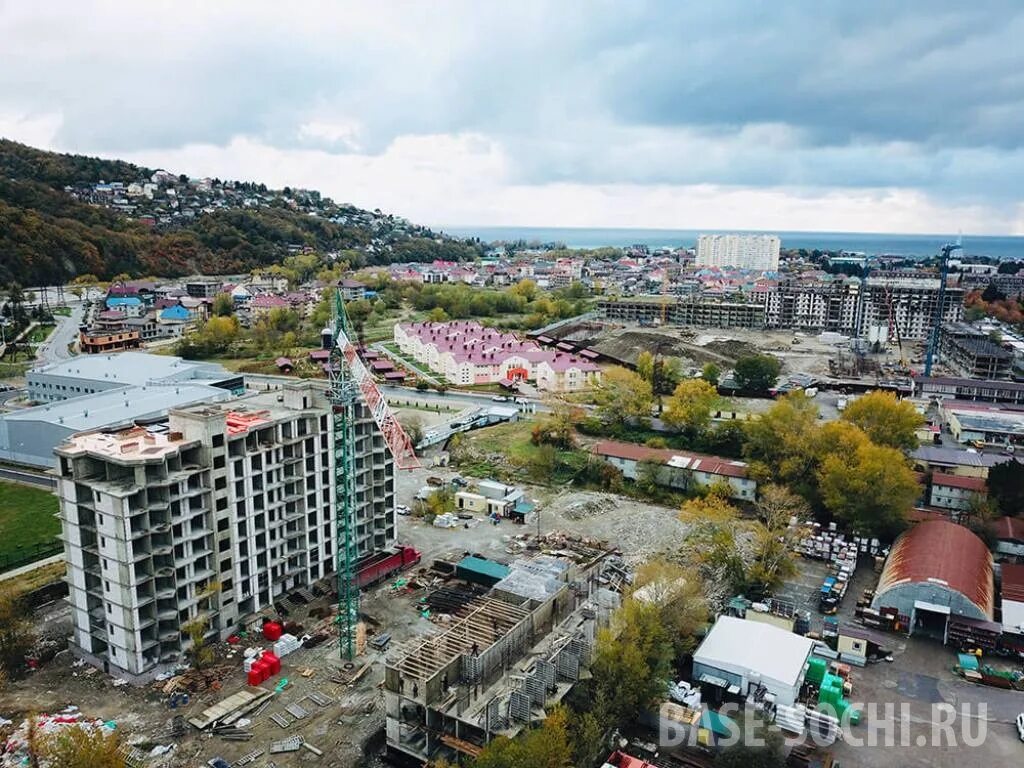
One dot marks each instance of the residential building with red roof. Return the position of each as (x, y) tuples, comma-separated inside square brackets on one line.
[(467, 353), (955, 492), (679, 469), (1010, 537)]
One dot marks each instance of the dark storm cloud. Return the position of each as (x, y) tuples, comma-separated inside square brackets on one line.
[(926, 95)]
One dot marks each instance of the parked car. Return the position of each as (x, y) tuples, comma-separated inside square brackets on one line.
[(1020, 726), (500, 399), (401, 509)]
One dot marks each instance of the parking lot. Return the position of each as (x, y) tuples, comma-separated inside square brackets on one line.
[(900, 697)]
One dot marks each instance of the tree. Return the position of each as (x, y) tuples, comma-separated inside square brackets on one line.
[(437, 315), (711, 373), (1006, 486), (781, 442), (677, 593), (748, 756), (527, 289), (81, 746), (16, 630), (885, 419), (547, 746), (689, 407), (413, 426), (662, 373), (623, 396), (649, 476), (559, 429), (870, 490), (757, 373), (542, 464), (632, 661), (441, 501), (776, 505), (199, 652), (223, 305)]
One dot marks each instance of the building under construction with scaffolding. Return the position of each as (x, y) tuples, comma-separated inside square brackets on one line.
[(502, 659)]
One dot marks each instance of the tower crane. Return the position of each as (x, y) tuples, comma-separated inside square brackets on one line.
[(894, 328), (350, 383), (933, 337)]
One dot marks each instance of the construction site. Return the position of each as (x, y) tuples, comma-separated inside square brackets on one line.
[(235, 650)]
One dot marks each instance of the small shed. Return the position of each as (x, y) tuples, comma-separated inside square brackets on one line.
[(284, 364), (480, 570)]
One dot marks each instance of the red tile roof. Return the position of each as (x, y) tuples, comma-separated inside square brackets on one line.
[(937, 551), (975, 484), (1013, 582), (712, 465), (1010, 529)]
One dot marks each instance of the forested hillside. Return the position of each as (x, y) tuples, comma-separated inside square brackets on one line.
[(67, 215)]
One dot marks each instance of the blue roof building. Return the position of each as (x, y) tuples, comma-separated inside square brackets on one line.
[(177, 312)]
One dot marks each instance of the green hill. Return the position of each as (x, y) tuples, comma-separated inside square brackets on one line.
[(65, 215)]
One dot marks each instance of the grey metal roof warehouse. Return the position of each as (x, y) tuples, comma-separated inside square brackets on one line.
[(28, 436), (87, 374)]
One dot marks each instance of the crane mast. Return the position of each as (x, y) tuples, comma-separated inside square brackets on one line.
[(350, 384), (933, 337)]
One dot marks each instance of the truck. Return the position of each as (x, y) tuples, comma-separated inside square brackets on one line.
[(378, 567), (811, 392)]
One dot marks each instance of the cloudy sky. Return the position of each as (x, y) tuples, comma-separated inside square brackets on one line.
[(851, 116)]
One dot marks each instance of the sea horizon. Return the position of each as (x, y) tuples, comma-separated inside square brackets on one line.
[(872, 244)]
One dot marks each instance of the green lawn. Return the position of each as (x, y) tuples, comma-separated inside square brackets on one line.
[(14, 370), (62, 311), (27, 520), (40, 333)]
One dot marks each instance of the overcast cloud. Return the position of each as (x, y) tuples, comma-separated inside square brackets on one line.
[(868, 116)]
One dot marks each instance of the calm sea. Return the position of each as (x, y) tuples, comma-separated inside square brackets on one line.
[(1000, 247)]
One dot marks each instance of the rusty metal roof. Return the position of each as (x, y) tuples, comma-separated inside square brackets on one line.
[(940, 552)]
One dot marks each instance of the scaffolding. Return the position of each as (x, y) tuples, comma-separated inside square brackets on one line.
[(351, 384)]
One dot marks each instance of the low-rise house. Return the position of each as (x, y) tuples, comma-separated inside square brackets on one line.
[(1010, 537), (679, 469), (955, 492), (351, 290), (491, 498)]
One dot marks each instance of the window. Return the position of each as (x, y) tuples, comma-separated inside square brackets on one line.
[(222, 524), (218, 441), (219, 462), (106, 586), (224, 545)]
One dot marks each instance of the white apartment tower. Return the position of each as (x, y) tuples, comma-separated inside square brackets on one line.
[(212, 517), (755, 252)]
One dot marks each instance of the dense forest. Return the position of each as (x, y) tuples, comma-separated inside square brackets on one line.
[(47, 236)]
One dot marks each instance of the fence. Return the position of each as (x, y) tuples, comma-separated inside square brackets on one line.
[(26, 555)]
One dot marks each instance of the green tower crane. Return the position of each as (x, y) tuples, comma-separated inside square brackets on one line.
[(351, 384)]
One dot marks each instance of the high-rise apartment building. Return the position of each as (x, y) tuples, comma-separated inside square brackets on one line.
[(911, 300), (760, 252), (209, 517)]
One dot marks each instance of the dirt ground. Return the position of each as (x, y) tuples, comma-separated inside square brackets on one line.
[(798, 352)]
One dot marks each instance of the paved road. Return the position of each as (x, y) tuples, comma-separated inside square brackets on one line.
[(29, 478), (56, 348), (452, 398)]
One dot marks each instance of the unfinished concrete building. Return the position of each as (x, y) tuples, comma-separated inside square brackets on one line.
[(499, 664), (208, 517), (967, 351), (912, 299), (696, 311), (832, 305)]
